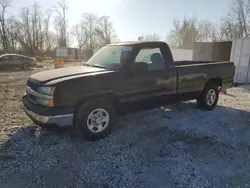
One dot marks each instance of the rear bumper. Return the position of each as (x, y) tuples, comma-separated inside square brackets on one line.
[(227, 84), (61, 117)]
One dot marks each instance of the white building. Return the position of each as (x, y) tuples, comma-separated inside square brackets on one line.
[(240, 55), (182, 54)]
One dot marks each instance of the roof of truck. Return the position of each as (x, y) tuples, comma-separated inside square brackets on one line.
[(138, 42)]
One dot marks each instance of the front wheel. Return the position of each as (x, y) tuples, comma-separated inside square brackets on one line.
[(95, 119), (209, 97)]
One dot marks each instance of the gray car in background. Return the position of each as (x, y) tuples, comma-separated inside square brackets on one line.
[(8, 61)]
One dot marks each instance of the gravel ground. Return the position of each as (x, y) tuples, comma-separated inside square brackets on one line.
[(179, 146)]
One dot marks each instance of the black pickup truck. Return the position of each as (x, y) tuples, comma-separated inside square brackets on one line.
[(87, 97)]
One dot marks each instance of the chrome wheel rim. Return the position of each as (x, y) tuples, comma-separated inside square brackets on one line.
[(26, 66), (98, 120), (211, 96)]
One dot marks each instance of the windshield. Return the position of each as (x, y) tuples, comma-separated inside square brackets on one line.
[(110, 57)]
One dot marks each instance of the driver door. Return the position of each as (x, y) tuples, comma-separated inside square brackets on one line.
[(147, 81), (155, 80)]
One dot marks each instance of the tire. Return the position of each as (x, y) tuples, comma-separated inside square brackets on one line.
[(26, 66), (95, 119), (209, 97)]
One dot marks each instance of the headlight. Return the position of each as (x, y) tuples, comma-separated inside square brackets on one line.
[(45, 102), (46, 90)]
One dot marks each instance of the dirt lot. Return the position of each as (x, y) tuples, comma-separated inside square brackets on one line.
[(183, 147)]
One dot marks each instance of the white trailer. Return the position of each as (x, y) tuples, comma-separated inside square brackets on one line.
[(240, 55)]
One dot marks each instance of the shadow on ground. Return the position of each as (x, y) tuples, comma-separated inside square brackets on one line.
[(144, 145), (244, 86)]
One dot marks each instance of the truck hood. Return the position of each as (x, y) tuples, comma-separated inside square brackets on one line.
[(54, 74)]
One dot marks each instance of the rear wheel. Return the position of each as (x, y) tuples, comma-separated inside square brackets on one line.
[(95, 119), (26, 66), (209, 97)]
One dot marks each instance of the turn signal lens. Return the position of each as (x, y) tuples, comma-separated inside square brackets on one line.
[(51, 103), (52, 91)]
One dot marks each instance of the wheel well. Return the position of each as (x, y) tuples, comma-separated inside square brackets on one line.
[(25, 63), (217, 81), (112, 99)]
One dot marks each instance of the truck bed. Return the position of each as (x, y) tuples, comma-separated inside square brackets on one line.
[(192, 75), (184, 63)]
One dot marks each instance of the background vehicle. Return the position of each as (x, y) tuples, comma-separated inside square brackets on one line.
[(45, 58), (8, 61), (88, 96)]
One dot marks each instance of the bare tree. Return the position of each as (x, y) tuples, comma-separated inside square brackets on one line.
[(30, 32), (61, 23), (93, 32), (184, 33), (23, 30), (105, 30), (12, 26), (230, 30), (80, 33), (47, 33), (29, 29), (189, 30), (149, 37), (37, 33), (208, 32), (235, 24), (215, 33), (90, 22), (4, 4)]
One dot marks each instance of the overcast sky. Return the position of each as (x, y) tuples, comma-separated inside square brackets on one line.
[(133, 18)]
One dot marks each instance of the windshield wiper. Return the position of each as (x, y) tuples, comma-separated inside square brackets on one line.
[(98, 66), (95, 65)]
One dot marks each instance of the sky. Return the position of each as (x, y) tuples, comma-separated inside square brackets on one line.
[(133, 18)]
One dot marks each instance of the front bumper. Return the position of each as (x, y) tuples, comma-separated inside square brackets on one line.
[(62, 117)]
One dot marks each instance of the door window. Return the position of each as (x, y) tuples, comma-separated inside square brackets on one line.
[(14, 57), (4, 58), (152, 57)]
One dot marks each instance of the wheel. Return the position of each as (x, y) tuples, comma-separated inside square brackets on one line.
[(95, 119), (209, 97), (26, 66)]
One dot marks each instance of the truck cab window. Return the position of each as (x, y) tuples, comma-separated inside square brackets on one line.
[(153, 58)]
